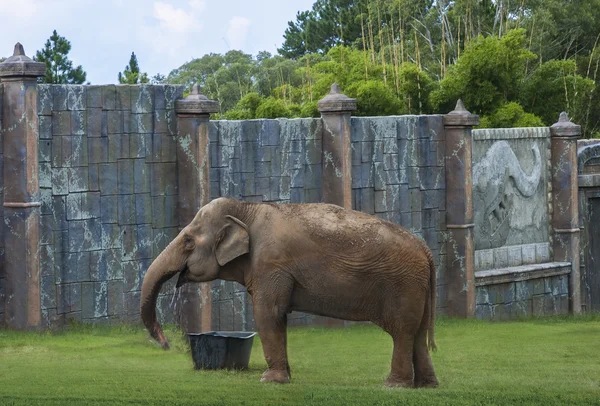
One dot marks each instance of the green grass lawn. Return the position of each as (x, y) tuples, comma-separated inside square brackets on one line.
[(544, 361)]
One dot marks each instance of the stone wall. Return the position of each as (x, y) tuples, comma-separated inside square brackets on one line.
[(108, 188)]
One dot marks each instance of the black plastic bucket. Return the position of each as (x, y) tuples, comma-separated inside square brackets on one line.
[(221, 349)]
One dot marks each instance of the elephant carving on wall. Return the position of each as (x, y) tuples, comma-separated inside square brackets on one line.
[(492, 201), (315, 258)]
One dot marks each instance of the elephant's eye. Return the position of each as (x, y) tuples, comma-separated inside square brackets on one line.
[(188, 242)]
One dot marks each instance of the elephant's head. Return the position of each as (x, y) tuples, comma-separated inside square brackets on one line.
[(213, 239)]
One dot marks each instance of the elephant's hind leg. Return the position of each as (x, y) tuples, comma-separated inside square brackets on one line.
[(424, 373)]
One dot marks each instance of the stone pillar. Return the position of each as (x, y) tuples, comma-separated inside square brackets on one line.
[(21, 189), (193, 166), (460, 249), (565, 216), (336, 110)]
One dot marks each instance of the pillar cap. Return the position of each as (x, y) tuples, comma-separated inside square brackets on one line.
[(196, 103), (335, 101), (565, 128), (460, 116), (20, 64)]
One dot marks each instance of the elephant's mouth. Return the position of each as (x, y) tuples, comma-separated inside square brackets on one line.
[(183, 278)]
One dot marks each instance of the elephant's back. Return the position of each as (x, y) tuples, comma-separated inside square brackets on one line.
[(343, 229)]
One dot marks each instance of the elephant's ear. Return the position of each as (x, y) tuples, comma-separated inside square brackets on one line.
[(232, 241)]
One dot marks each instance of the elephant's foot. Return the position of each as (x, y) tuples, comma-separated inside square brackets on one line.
[(427, 383), (398, 383), (275, 375)]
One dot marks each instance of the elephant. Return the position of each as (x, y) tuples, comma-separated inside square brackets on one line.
[(315, 258)]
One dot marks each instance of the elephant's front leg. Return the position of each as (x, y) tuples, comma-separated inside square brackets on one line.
[(271, 322)]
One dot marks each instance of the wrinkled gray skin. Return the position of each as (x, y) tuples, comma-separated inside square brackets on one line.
[(314, 258)]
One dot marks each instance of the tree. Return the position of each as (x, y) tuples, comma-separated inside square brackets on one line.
[(272, 108), (329, 23), (554, 87), (510, 115), (246, 108), (375, 99), (158, 79), (415, 85), (487, 75), (226, 78), (131, 75), (59, 69)]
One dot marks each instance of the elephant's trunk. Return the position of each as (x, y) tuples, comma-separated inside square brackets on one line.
[(527, 184), (164, 267)]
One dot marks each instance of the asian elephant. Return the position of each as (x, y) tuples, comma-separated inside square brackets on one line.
[(314, 258)]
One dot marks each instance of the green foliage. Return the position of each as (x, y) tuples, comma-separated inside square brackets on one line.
[(554, 87), (510, 115), (246, 108), (237, 114), (158, 79), (251, 102), (310, 109), (226, 78), (131, 75), (415, 88), (273, 108), (59, 69), (486, 76), (374, 98)]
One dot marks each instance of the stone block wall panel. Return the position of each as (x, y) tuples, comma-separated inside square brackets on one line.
[(534, 297), (109, 197)]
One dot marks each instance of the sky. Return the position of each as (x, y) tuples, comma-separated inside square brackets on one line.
[(164, 34)]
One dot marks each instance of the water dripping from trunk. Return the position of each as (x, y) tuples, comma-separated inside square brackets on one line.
[(175, 304)]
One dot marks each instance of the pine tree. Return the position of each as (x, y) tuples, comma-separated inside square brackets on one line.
[(131, 74), (59, 69)]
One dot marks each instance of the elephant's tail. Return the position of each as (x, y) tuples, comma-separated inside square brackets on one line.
[(432, 304)]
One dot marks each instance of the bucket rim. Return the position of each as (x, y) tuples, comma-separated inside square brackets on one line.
[(225, 334)]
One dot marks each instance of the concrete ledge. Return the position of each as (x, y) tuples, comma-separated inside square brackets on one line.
[(589, 180), (521, 273), (510, 133)]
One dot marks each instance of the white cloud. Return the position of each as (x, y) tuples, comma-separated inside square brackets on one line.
[(197, 5), (174, 19), (170, 29), (237, 31)]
